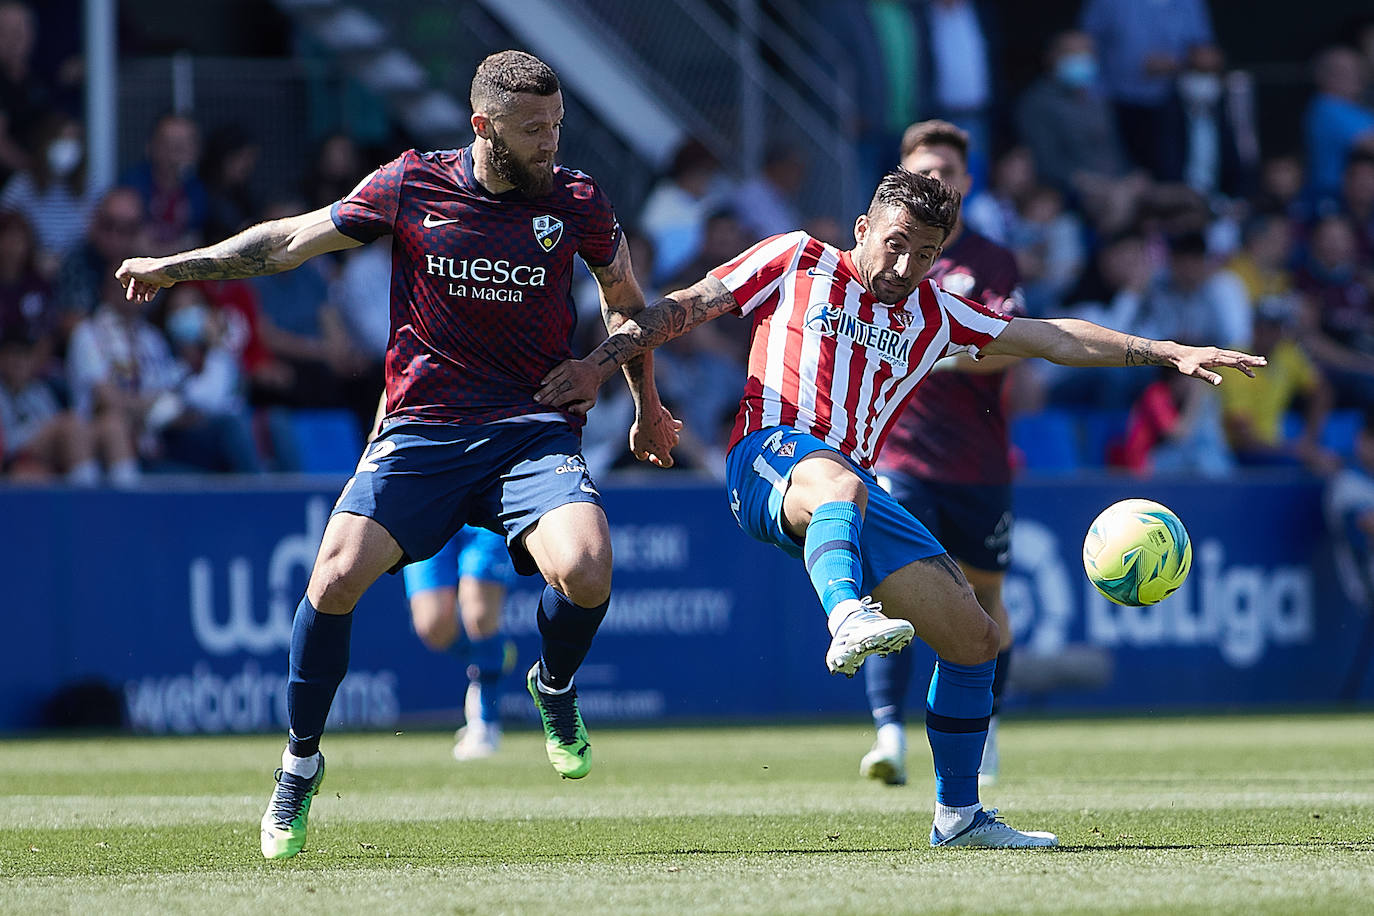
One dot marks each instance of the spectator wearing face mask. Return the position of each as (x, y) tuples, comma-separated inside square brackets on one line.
[(1066, 121), (1213, 147), (52, 193)]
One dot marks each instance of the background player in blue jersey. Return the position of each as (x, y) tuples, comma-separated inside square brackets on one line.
[(483, 240), (946, 459), (455, 605)]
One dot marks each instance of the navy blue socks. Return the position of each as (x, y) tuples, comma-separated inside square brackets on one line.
[(318, 662), (567, 630)]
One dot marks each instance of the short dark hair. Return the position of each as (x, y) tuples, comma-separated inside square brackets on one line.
[(927, 199), (507, 73), (935, 133)]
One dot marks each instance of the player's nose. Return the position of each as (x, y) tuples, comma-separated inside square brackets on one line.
[(903, 266)]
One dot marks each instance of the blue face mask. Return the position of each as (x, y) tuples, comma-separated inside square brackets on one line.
[(1077, 71), (189, 325)]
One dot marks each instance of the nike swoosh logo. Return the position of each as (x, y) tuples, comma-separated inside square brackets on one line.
[(431, 221), (588, 488), (833, 581), (813, 272)]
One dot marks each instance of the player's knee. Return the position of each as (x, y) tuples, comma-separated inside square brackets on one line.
[(336, 584), (979, 645), (437, 633), (586, 584)]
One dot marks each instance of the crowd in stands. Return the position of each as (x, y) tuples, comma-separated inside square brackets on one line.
[(1128, 180)]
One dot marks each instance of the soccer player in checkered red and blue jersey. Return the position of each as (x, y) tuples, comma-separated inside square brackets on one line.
[(481, 312), (841, 341)]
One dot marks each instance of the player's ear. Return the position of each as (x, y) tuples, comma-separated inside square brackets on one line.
[(481, 125), (860, 228)]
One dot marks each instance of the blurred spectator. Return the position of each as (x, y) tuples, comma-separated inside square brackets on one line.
[(231, 157), (1175, 428), (1067, 122), (1047, 242), (1216, 152), (1336, 120), (1142, 46), (675, 212), (766, 204), (360, 294), (212, 432), (52, 193), (1195, 301), (1349, 509), (992, 212), (173, 196), (23, 98), (38, 439), (116, 232), (1253, 409), (26, 299), (1265, 257), (956, 46), (1339, 312), (1357, 200), (334, 172), (1281, 186)]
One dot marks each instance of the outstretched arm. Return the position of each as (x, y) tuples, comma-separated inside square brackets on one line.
[(672, 316), (1074, 342), (266, 248)]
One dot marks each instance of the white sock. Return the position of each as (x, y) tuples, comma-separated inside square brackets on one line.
[(85, 474), (840, 612), (552, 691), (124, 473), (893, 735), (950, 821), (303, 767)]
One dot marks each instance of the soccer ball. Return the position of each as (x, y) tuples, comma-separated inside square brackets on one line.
[(1137, 552)]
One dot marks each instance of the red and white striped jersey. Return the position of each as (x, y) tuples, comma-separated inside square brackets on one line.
[(827, 358)]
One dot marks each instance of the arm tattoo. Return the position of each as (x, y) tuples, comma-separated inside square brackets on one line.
[(1140, 351), (620, 302), (252, 253)]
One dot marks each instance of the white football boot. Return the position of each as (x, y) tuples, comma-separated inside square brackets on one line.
[(861, 630), (477, 739), (886, 762), (986, 829)]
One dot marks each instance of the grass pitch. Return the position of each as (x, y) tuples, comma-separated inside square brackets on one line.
[(1198, 815)]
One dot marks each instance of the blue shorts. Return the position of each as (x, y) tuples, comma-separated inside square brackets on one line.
[(972, 520), (423, 482), (472, 553), (756, 474)]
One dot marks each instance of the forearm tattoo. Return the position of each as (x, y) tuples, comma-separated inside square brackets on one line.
[(1141, 351), (666, 319), (621, 300), (248, 254)]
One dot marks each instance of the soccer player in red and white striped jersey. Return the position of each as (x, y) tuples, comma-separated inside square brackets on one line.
[(841, 339)]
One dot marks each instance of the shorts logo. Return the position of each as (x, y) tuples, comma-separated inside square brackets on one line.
[(547, 231), (787, 450)]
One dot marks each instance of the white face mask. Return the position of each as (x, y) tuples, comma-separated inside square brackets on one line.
[(64, 155), (1199, 88)]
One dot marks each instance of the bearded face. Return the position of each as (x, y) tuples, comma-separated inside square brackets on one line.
[(532, 174)]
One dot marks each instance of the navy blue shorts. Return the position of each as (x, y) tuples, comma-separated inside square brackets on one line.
[(757, 472), (972, 520), (422, 482)]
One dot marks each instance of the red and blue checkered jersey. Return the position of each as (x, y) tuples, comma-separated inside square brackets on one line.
[(481, 283), (955, 430)]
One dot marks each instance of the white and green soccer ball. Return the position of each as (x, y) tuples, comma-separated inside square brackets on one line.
[(1137, 552)]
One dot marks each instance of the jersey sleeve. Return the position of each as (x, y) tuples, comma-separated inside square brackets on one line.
[(369, 210), (755, 275), (972, 325), (602, 235)]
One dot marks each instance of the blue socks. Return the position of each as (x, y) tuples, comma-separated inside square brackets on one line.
[(318, 662), (831, 551), (957, 710), (887, 680), (567, 630), (486, 665), (999, 680)]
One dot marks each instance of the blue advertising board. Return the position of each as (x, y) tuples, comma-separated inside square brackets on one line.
[(181, 601)]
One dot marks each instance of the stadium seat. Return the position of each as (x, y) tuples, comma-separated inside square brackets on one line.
[(327, 441), (1338, 434), (1047, 441), (1100, 429)]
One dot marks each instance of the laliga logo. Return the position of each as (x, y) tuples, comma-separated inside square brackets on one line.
[(241, 630)]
